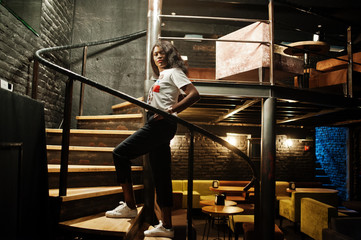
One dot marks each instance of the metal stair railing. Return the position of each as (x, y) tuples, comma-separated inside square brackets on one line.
[(67, 114)]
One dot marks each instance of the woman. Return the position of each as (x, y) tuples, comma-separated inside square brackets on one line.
[(154, 137)]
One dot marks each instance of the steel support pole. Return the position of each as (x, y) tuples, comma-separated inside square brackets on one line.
[(271, 47), (153, 32), (268, 156)]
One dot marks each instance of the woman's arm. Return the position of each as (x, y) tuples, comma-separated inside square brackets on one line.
[(191, 97)]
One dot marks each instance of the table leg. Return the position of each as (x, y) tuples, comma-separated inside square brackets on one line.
[(207, 226), (306, 74)]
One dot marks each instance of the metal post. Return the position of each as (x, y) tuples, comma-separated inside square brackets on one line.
[(34, 87), (82, 85), (153, 31), (65, 138), (190, 185), (271, 30), (268, 156), (349, 90)]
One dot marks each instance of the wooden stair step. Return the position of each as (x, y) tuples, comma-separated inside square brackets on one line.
[(81, 148), (89, 137), (127, 107), (100, 225), (89, 192), (90, 175), (85, 155), (92, 131), (55, 168), (111, 117), (116, 122)]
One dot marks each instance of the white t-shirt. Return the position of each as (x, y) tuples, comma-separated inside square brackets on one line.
[(166, 89)]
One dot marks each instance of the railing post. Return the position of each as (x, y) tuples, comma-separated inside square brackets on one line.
[(190, 185), (65, 138), (34, 87), (349, 85), (82, 85)]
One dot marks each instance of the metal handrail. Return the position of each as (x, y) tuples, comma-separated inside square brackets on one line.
[(75, 76), (213, 39), (214, 18)]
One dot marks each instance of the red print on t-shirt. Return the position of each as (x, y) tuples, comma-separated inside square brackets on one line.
[(156, 88)]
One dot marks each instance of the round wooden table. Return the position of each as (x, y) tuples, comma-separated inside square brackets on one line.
[(230, 189), (313, 190), (306, 49), (212, 202), (222, 210), (220, 213), (310, 47)]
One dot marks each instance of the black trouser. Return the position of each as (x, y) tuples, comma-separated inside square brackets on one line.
[(153, 138)]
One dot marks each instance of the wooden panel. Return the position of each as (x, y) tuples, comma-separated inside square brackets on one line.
[(319, 79), (202, 73), (334, 64)]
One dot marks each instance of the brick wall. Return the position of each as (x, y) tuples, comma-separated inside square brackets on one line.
[(213, 161), (331, 152), (18, 44), (295, 163)]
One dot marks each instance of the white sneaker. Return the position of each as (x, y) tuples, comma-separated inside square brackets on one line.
[(122, 211), (159, 231)]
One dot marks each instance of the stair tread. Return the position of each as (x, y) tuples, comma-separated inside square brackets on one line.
[(88, 168), (87, 192), (156, 238), (106, 117), (93, 131), (126, 104), (100, 224), (81, 148), (148, 227)]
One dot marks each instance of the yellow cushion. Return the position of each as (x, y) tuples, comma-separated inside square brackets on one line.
[(177, 185), (315, 216), (234, 220), (281, 188), (286, 209), (291, 208), (208, 197), (202, 186), (195, 199)]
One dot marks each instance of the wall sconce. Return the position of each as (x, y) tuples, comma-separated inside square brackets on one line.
[(289, 143), (233, 138), (174, 141)]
